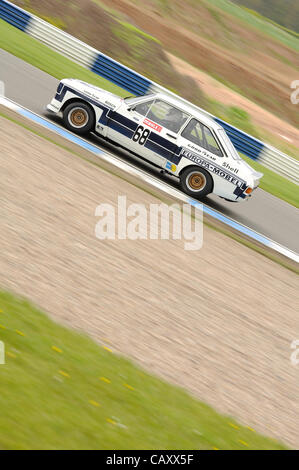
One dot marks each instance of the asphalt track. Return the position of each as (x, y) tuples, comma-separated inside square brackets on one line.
[(263, 213)]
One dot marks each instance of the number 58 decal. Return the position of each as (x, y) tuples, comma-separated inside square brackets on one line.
[(141, 135)]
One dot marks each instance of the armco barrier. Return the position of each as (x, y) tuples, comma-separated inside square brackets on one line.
[(123, 77), (14, 15), (136, 84)]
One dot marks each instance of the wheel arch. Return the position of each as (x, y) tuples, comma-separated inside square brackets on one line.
[(195, 167), (78, 100)]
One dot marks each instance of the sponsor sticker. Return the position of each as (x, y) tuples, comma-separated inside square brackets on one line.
[(110, 104), (202, 152), (170, 166), (230, 168), (213, 168), (152, 124)]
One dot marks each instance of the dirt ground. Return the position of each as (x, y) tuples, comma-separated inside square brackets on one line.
[(207, 38), (223, 47), (260, 117), (218, 322)]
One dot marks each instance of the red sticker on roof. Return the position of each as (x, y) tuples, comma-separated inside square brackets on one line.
[(152, 124)]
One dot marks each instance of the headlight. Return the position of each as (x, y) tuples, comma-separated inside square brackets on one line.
[(59, 88)]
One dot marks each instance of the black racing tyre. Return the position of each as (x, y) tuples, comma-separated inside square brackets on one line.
[(78, 117), (196, 182)]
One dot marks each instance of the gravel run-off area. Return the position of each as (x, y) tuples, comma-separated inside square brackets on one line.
[(219, 321)]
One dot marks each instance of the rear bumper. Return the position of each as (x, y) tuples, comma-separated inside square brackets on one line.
[(54, 106), (237, 199)]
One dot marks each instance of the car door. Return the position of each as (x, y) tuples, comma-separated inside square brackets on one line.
[(149, 129), (156, 135), (199, 138), (122, 124)]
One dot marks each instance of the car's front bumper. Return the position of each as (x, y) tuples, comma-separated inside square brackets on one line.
[(52, 108)]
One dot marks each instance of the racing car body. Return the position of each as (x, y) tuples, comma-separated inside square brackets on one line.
[(172, 135)]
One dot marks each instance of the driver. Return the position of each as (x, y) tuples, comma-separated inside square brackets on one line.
[(173, 120)]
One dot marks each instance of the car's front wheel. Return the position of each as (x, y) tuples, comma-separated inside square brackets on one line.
[(196, 181), (79, 118)]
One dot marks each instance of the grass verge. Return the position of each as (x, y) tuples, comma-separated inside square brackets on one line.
[(257, 21), (61, 390), (35, 53), (276, 184)]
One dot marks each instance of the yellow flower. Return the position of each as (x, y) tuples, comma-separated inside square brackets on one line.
[(109, 420), (65, 374), (104, 379), (243, 443), (234, 426), (107, 349), (3, 327), (20, 333), (10, 354), (94, 403), (215, 448), (129, 386), (55, 348), (250, 429)]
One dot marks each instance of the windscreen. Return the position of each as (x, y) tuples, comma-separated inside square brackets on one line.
[(136, 99)]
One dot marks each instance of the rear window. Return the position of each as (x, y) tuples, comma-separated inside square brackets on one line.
[(202, 136)]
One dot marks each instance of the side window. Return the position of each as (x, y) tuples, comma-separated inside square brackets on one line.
[(201, 135), (194, 132), (142, 108), (167, 116), (212, 145)]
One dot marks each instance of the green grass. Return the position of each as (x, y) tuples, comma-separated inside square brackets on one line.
[(276, 184), (264, 18), (32, 51), (257, 21), (111, 11), (56, 399), (233, 115), (136, 31)]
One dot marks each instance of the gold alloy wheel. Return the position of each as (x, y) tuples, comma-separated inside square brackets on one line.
[(196, 181), (78, 117)]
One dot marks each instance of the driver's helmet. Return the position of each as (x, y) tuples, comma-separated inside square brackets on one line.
[(174, 115), (142, 108)]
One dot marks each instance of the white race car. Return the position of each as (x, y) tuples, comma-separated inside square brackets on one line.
[(170, 134)]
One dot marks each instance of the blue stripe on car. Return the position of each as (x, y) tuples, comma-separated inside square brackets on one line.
[(116, 126), (122, 120)]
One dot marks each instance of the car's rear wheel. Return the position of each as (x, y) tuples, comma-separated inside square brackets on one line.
[(79, 118), (196, 181)]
